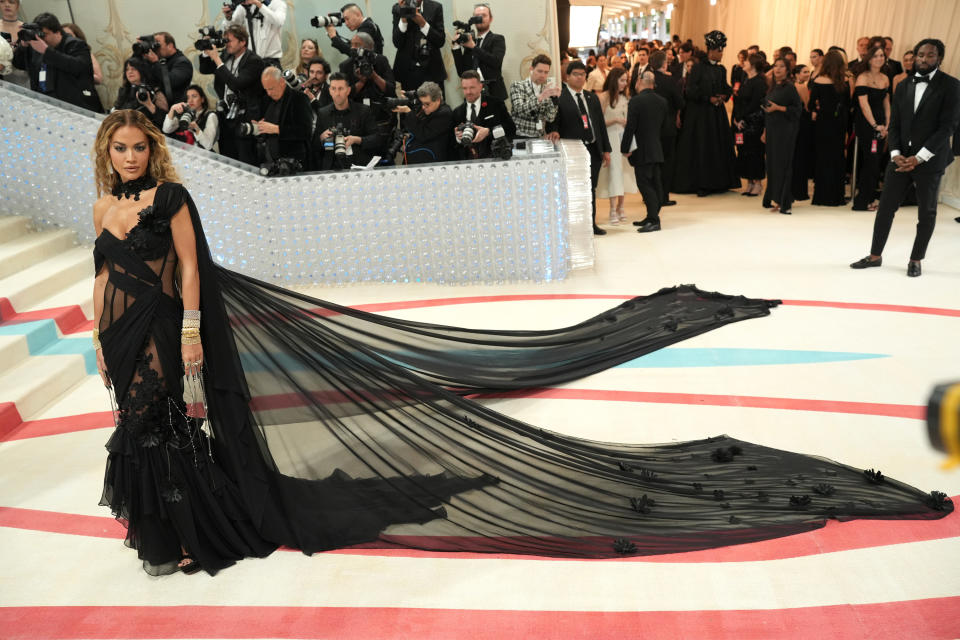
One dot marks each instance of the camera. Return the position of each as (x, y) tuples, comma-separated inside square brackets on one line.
[(500, 147), (400, 138), (188, 116), (229, 107), (339, 136), (248, 129), (468, 131), (294, 80), (329, 20), (233, 4), (281, 167), (409, 99), (409, 8), (210, 38), (463, 28), (362, 62), (29, 31), (143, 92), (144, 45)]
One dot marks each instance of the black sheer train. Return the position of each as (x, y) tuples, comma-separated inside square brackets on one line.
[(334, 427)]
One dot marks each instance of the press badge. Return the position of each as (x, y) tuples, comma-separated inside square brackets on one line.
[(43, 76), (738, 138)]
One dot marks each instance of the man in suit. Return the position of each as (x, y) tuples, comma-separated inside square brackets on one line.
[(172, 69), (484, 55), (893, 66), (362, 139), (925, 113), (429, 127), (641, 64), (486, 112), (58, 64), (580, 117), (531, 99), (264, 24), (418, 36), (647, 116), (236, 79), (667, 87), (287, 122), (353, 19), (317, 88)]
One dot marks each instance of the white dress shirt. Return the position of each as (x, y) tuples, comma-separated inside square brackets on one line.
[(265, 40)]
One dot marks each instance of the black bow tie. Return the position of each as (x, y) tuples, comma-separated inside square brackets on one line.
[(919, 79)]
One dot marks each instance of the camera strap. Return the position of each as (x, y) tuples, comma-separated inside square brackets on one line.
[(253, 41), (165, 78)]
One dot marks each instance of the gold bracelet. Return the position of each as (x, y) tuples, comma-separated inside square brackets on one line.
[(96, 340), (185, 339)]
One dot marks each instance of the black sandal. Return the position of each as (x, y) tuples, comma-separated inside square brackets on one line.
[(191, 568)]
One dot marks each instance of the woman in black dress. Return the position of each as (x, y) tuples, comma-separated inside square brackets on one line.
[(316, 426), (782, 108), (829, 106), (803, 152), (872, 93), (748, 125)]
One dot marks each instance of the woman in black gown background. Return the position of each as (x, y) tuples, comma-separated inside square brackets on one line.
[(803, 152), (829, 106), (872, 92), (748, 122), (316, 426), (782, 108)]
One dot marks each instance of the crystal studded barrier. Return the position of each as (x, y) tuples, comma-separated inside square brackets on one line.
[(477, 222)]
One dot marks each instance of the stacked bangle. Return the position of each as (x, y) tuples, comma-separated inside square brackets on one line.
[(190, 332), (96, 340)]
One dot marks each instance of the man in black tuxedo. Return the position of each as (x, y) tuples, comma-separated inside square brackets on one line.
[(641, 64), (236, 79), (484, 55), (287, 122), (171, 69), (580, 117), (354, 20), (362, 140), (486, 112), (58, 64), (667, 87), (925, 113), (418, 36), (647, 116)]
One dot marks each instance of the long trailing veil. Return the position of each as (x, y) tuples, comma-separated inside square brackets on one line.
[(341, 427)]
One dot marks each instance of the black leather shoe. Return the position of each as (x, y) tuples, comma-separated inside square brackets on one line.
[(864, 263), (597, 231), (913, 269), (702, 193), (647, 227), (669, 203)]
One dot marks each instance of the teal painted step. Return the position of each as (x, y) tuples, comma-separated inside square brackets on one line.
[(44, 340), (689, 357)]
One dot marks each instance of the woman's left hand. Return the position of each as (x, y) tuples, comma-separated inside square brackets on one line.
[(192, 358)]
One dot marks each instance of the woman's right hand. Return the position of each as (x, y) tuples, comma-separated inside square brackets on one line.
[(178, 108), (102, 368)]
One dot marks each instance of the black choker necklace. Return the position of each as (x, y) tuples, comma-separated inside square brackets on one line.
[(132, 188)]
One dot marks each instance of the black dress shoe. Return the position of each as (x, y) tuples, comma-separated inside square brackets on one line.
[(702, 193), (669, 203), (913, 269), (864, 263), (597, 231), (647, 227), (786, 213)]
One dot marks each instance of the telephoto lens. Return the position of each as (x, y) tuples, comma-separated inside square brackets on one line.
[(188, 116), (248, 129), (339, 141), (468, 132), (329, 20)]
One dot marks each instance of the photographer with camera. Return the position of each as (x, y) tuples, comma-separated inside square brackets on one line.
[(345, 134), (418, 36), (58, 64), (317, 87), (533, 99), (139, 94), (263, 20), (285, 128), (172, 71), (484, 54), (352, 17), (192, 122), (425, 134), (369, 74), (237, 83), (483, 124)]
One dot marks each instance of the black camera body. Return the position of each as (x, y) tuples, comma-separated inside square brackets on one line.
[(408, 99), (464, 29), (468, 131), (210, 38), (143, 92), (281, 167), (337, 142), (501, 147), (329, 20), (233, 4), (144, 45), (409, 8), (363, 60), (29, 31)]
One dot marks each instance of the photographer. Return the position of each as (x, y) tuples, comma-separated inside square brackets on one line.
[(58, 64), (428, 127), (137, 93), (237, 83), (369, 74), (418, 36), (287, 119), (263, 20), (202, 126), (172, 70), (484, 55), (353, 19), (532, 99), (345, 134), (485, 113), (317, 88)]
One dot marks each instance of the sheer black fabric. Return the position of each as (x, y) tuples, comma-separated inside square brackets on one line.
[(335, 427), (829, 166)]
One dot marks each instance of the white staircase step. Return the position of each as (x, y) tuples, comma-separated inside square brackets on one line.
[(38, 282), (13, 227), (79, 293), (38, 382), (32, 248), (13, 351)]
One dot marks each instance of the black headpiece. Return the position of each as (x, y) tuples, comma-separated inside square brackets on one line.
[(716, 40)]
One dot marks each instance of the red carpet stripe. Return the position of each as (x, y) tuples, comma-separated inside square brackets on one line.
[(930, 619), (9, 419), (69, 319), (834, 537)]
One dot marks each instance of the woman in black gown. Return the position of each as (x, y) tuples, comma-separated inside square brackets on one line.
[(782, 108), (316, 426), (872, 93), (829, 106), (748, 122), (803, 152)]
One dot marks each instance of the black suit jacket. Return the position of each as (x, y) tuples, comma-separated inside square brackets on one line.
[(179, 74), (493, 112), (676, 69), (358, 120), (69, 72), (369, 27), (668, 87), (296, 125), (488, 58), (430, 136), (635, 75), (647, 116), (931, 126), (409, 67), (245, 83), (569, 124)]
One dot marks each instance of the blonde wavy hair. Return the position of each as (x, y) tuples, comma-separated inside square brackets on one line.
[(160, 165)]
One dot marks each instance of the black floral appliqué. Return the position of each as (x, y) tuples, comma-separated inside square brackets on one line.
[(874, 477), (938, 500), (624, 546), (718, 495), (799, 502), (824, 489), (625, 467), (150, 238), (642, 504), (171, 494)]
